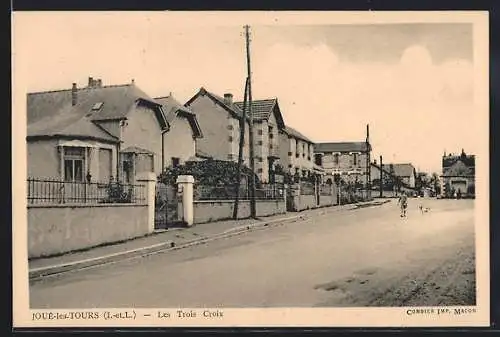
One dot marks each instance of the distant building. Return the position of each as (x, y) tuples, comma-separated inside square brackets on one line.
[(404, 171), (458, 175), (350, 160)]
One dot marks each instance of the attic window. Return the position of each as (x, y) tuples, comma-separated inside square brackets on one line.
[(97, 106)]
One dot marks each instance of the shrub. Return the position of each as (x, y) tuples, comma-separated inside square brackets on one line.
[(209, 172)]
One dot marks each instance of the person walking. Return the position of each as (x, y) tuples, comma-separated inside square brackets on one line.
[(403, 204)]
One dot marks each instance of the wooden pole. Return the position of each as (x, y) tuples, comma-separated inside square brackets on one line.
[(240, 153), (381, 178), (253, 212)]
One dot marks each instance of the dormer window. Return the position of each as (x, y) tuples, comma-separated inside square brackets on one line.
[(97, 106)]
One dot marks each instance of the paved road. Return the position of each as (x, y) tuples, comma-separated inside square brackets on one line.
[(365, 257)]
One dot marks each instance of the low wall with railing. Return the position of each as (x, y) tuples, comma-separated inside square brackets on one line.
[(216, 210), (62, 219), (306, 195)]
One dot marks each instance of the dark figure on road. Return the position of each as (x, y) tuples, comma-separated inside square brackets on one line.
[(403, 204)]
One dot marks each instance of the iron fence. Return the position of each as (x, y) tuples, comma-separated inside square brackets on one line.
[(325, 189), (229, 192), (47, 191), (306, 188)]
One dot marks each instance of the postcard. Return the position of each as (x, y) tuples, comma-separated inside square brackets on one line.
[(250, 169)]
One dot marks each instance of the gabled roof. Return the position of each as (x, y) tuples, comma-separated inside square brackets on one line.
[(173, 109), (233, 109), (51, 113), (291, 132), (342, 147), (400, 170), (262, 110)]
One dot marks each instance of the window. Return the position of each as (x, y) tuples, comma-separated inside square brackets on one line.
[(259, 170), (175, 161), (230, 127), (259, 142), (355, 159), (74, 159), (259, 132), (230, 139)]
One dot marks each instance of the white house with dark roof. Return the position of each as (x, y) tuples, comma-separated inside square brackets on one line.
[(179, 143), (96, 132), (268, 125)]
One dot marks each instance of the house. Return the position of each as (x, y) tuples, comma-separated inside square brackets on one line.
[(296, 153), (350, 160), (179, 144), (220, 119), (94, 133), (404, 171), (458, 174), (268, 124)]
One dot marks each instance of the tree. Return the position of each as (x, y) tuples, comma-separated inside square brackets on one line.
[(434, 182)]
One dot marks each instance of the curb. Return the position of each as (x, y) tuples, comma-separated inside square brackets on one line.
[(41, 272), (38, 273)]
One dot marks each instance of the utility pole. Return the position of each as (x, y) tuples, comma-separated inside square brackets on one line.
[(368, 164), (253, 211), (381, 178), (240, 153)]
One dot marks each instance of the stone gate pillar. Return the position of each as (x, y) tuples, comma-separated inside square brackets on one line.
[(185, 186)]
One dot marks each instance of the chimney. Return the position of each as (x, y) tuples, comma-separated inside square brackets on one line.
[(73, 94), (91, 82), (228, 99), (367, 133), (133, 81), (99, 83)]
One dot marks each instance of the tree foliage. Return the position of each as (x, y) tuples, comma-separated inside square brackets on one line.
[(209, 172)]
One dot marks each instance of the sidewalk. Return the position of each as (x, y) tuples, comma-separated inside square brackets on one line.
[(171, 239)]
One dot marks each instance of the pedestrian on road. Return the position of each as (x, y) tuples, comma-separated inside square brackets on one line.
[(403, 204)]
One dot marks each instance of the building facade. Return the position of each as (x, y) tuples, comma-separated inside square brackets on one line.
[(349, 160), (179, 143), (296, 153), (268, 124), (458, 176), (94, 133), (220, 119)]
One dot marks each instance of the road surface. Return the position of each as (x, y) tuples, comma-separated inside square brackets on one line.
[(363, 257)]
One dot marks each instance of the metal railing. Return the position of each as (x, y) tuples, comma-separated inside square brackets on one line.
[(307, 188), (325, 189), (53, 191), (229, 192)]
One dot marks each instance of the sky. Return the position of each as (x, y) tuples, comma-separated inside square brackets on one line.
[(412, 83)]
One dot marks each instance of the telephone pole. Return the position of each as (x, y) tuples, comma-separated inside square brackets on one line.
[(253, 211), (381, 178), (240, 153)]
